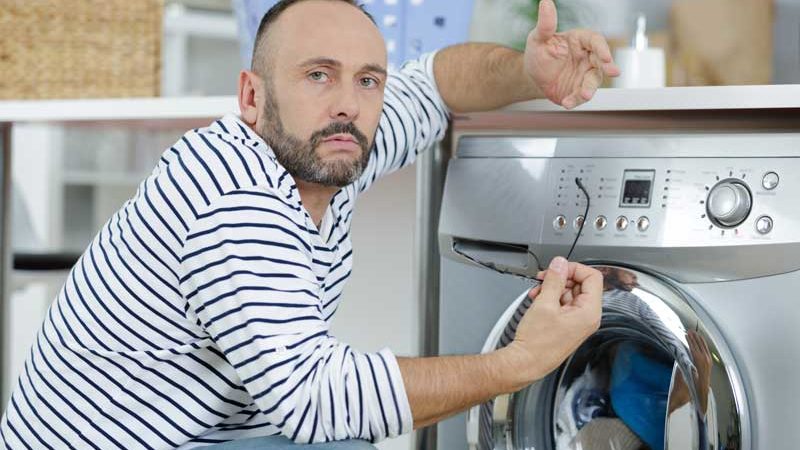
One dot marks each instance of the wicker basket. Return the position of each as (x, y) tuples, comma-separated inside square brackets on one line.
[(80, 48)]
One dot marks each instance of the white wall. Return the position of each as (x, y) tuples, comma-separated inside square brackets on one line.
[(379, 305)]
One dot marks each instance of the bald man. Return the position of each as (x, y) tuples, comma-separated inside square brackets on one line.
[(199, 315)]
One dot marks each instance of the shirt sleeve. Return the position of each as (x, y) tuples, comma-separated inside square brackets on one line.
[(414, 118), (247, 279)]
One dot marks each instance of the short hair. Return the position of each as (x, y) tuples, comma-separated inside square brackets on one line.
[(272, 15)]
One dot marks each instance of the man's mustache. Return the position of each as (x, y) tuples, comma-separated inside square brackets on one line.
[(339, 128)]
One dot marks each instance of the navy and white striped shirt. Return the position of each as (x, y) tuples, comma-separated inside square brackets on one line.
[(200, 312)]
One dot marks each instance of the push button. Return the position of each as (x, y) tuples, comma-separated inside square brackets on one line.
[(764, 224), (770, 181), (577, 223), (559, 223), (643, 224), (622, 223), (600, 223)]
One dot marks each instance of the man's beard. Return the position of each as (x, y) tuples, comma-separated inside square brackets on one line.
[(300, 158)]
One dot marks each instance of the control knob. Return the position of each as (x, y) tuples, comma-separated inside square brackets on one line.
[(729, 203)]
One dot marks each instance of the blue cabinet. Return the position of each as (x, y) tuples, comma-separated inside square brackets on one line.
[(410, 27)]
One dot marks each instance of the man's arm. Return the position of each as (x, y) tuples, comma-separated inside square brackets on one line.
[(439, 387), (482, 76), (566, 68), (565, 312)]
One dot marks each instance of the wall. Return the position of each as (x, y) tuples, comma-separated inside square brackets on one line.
[(379, 305), (787, 42)]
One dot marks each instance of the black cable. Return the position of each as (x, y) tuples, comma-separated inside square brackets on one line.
[(585, 217), (493, 266)]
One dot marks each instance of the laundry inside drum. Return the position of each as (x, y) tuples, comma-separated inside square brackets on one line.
[(613, 394)]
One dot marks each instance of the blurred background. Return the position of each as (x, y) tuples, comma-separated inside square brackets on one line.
[(67, 180)]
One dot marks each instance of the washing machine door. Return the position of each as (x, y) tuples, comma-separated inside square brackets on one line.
[(656, 375)]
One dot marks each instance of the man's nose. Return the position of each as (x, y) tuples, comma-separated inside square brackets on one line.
[(345, 105)]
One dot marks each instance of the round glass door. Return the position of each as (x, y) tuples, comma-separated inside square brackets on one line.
[(655, 376)]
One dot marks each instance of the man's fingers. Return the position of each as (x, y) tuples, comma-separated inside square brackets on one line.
[(591, 81), (591, 285), (690, 340), (570, 102), (548, 21), (599, 51), (581, 273), (536, 289), (611, 69), (699, 341), (594, 43), (568, 285), (566, 297), (601, 59), (554, 281), (576, 291)]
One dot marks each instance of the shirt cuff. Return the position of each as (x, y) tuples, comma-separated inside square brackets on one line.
[(399, 390), (427, 65)]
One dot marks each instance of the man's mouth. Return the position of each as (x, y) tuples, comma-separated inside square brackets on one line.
[(342, 141), (343, 137)]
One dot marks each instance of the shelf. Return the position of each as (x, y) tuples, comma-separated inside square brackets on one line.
[(179, 19), (90, 178), (157, 110), (153, 111)]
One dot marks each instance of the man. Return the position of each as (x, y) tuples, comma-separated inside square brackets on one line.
[(199, 314)]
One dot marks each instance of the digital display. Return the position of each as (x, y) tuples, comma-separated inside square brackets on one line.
[(636, 192), (637, 188)]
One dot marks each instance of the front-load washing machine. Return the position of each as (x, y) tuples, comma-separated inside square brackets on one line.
[(698, 238)]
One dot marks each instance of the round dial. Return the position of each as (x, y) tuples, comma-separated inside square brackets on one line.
[(729, 203)]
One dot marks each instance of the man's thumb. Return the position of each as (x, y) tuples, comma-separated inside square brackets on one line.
[(554, 281), (548, 21)]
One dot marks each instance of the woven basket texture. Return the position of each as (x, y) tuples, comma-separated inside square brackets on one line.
[(80, 48)]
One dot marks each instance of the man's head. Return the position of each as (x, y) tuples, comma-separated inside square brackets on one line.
[(616, 278), (315, 91)]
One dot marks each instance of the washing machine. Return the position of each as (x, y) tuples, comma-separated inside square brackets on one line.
[(698, 238)]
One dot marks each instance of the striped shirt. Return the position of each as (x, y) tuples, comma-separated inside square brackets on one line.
[(200, 312)]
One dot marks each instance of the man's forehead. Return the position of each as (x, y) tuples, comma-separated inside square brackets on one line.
[(323, 28)]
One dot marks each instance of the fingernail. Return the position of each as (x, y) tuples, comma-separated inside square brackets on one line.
[(559, 265)]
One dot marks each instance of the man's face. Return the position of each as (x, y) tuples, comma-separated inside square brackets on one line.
[(324, 91), (628, 280)]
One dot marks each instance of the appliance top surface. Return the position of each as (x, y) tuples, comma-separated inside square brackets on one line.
[(680, 98), (632, 146)]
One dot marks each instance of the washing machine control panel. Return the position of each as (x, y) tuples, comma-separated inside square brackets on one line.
[(673, 201)]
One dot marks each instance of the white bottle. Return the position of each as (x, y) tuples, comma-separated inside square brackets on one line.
[(641, 66)]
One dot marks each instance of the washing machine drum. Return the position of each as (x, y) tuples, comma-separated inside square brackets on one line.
[(656, 375)]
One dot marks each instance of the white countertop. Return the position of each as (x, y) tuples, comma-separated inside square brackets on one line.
[(164, 108), (681, 98), (150, 109)]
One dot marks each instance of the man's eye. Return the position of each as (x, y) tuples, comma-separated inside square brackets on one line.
[(318, 76), (369, 82)]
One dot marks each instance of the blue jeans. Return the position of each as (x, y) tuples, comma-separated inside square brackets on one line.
[(282, 443)]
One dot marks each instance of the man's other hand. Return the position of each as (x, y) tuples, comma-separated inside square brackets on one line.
[(567, 67)]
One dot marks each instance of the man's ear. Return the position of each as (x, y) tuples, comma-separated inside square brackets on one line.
[(250, 89)]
